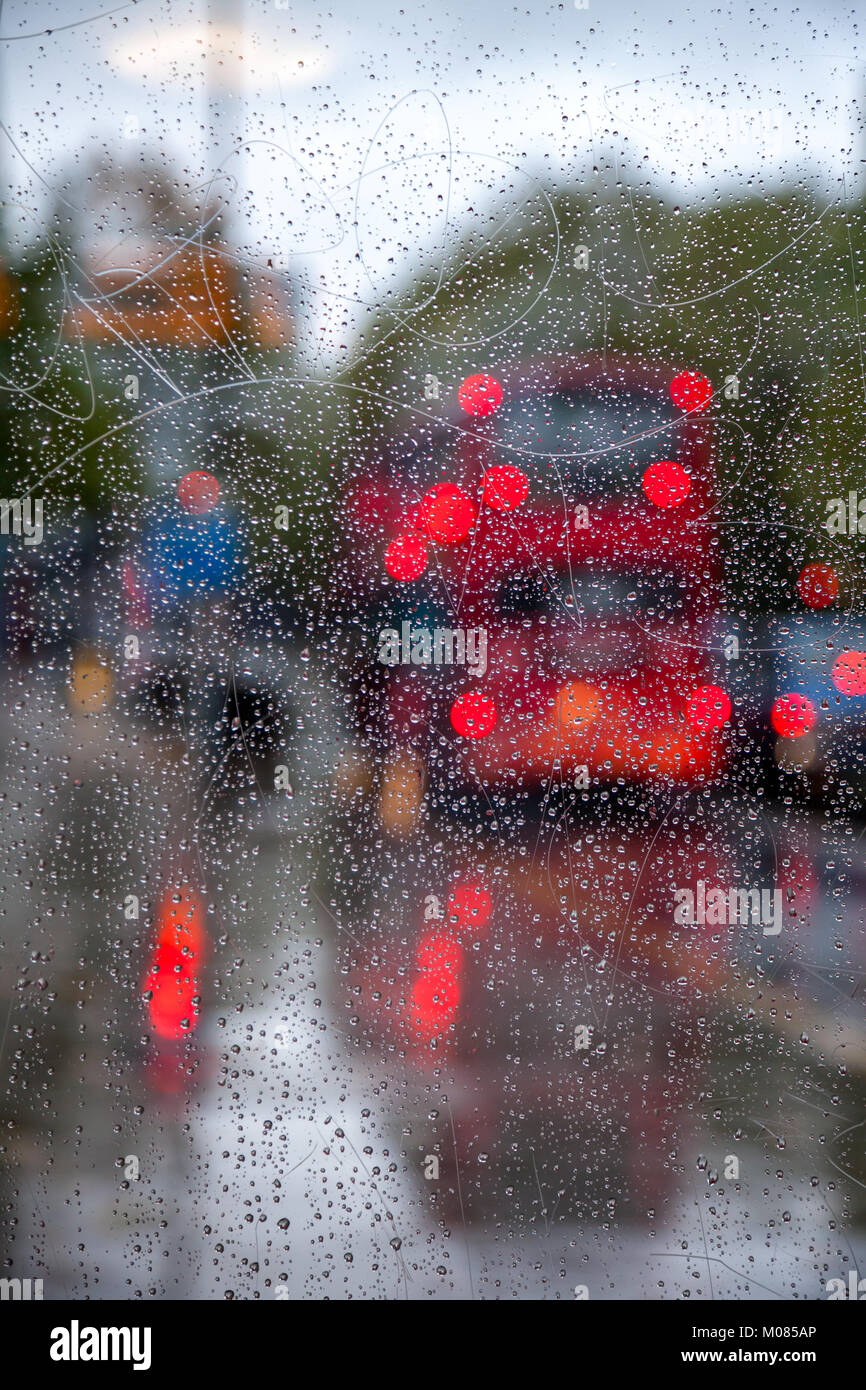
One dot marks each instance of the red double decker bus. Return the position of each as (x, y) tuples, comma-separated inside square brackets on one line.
[(569, 578)]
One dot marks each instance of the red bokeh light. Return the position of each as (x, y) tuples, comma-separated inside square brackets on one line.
[(480, 394), (406, 557), (438, 951), (198, 492), (818, 586), (666, 483), (469, 906), (849, 673), (691, 391), (505, 487), (436, 993), (793, 715), (473, 714), (171, 985), (709, 708), (446, 513)]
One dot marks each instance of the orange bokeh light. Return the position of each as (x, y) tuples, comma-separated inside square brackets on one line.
[(577, 706)]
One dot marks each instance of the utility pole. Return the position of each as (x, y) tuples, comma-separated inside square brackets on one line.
[(224, 127)]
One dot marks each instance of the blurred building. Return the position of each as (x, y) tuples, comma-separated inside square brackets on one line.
[(179, 294), (173, 311)]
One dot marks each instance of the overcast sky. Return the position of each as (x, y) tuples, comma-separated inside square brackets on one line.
[(376, 127)]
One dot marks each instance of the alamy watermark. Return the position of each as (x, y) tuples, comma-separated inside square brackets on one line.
[(440, 646), (846, 516), (18, 1290), (22, 516), (718, 907), (77, 1343), (855, 1290)]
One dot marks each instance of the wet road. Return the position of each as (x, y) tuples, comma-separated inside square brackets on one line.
[(477, 1060)]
